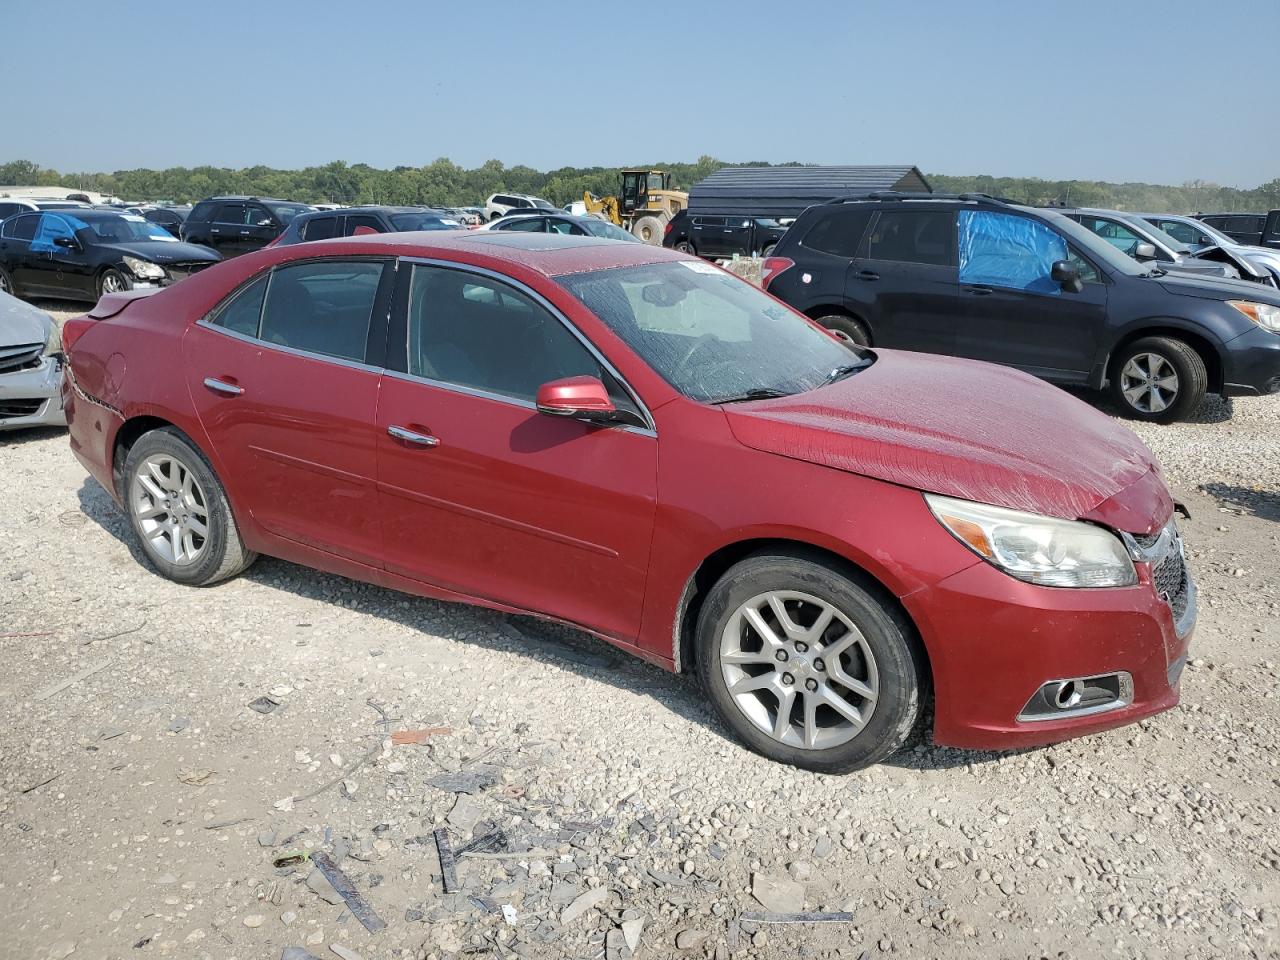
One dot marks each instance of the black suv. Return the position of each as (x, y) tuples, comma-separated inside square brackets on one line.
[(970, 276), (1253, 229), (235, 225)]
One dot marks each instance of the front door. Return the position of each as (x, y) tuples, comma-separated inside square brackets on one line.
[(286, 387), (56, 261), (483, 495), (903, 281), (1013, 311)]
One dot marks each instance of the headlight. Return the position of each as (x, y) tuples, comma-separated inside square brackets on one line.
[(1040, 550), (1263, 314), (144, 270), (52, 343)]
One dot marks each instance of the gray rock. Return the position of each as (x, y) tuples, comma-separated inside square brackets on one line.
[(178, 724), (777, 893), (691, 939), (585, 902), (321, 887)]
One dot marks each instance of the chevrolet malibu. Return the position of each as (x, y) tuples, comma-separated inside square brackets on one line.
[(631, 441)]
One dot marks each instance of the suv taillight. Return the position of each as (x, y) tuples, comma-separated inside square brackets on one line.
[(772, 268), (667, 228)]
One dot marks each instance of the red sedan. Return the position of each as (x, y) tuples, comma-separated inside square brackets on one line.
[(634, 442)]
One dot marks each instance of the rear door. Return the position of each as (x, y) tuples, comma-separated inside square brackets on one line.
[(484, 495), (52, 266), (15, 247), (1012, 311), (285, 379), (224, 231), (904, 279)]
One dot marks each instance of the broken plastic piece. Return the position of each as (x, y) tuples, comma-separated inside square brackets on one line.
[(290, 858), (761, 916), (340, 882), (418, 736), (489, 843), (448, 866)]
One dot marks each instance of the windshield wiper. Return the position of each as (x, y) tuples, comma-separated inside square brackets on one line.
[(758, 393), (842, 371)]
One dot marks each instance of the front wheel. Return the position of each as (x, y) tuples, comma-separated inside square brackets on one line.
[(180, 513), (6, 283), (1158, 379), (807, 666), (684, 246), (648, 229), (111, 281)]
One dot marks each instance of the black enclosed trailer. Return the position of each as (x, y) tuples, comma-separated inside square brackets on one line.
[(743, 209)]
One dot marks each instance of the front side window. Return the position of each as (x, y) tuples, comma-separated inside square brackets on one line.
[(525, 225), (913, 236), (1004, 250), (321, 307), (565, 227), (711, 335), (476, 332), (258, 216), (51, 227), (243, 312)]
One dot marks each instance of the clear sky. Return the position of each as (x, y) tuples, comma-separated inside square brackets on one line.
[(1161, 92)]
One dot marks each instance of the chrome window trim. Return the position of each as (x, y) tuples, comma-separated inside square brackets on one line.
[(281, 348), (650, 429)]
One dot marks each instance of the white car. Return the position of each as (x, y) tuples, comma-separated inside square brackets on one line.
[(30, 367), (1199, 236), (499, 204)]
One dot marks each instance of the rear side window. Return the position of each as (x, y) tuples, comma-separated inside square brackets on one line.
[(231, 213), (8, 209), (243, 312), (21, 228), (1003, 250), (913, 236), (709, 221), (1183, 232), (526, 225), (363, 224), (838, 232), (322, 307), (320, 228), (203, 210)]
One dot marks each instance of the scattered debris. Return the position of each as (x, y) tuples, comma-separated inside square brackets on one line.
[(756, 916), (417, 737), (197, 778), (254, 920), (509, 913), (778, 894), (319, 884), (631, 930), (37, 786), (466, 813), (111, 733), (486, 843), (355, 903), (178, 724), (113, 636), (284, 805), (691, 939), (222, 824), (448, 868), (464, 781), (587, 901), (290, 858), (297, 953), (263, 704), (267, 838), (72, 680), (346, 953)]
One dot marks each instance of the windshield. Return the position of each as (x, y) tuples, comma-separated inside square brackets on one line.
[(602, 228), (1093, 245), (126, 227), (709, 334), (422, 221), (287, 211)]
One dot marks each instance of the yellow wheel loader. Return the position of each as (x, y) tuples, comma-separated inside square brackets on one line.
[(645, 207)]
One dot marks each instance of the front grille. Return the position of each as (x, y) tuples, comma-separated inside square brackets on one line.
[(20, 357), (180, 271), (12, 409), (1170, 579)]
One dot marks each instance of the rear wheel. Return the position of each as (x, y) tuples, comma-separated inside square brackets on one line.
[(648, 229), (1158, 379), (684, 246), (846, 328), (768, 251), (808, 666), (179, 511)]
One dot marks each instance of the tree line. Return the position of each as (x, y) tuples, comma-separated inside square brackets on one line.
[(444, 183)]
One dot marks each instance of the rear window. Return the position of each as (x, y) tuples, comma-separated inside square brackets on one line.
[(285, 212)]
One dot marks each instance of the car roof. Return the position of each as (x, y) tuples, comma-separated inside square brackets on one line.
[(375, 208), (547, 253)]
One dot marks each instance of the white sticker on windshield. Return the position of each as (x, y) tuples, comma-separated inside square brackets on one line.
[(698, 266), (134, 217)]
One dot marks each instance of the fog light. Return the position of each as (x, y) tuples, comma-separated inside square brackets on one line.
[(1078, 697)]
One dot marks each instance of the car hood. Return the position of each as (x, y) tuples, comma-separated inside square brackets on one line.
[(21, 323), (164, 251), (970, 430), (1217, 288)]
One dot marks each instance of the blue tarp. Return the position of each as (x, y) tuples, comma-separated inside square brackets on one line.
[(53, 225), (1004, 250)]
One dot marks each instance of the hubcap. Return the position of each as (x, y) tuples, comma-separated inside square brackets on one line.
[(111, 283), (1149, 383), (4, 282), (799, 669), (171, 509)]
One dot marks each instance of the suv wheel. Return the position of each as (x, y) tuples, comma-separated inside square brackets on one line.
[(179, 511), (684, 246), (846, 328), (1158, 379), (806, 665)]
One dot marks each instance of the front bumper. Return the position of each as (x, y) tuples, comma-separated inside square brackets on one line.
[(1252, 364), (32, 398), (994, 642)]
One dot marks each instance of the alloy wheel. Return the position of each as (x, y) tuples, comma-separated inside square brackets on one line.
[(4, 283), (112, 282), (1149, 383), (799, 669), (171, 509)]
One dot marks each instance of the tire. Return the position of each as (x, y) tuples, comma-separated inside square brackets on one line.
[(648, 229), (111, 280), (219, 553), (6, 283), (881, 652), (684, 246), (1158, 379), (768, 251), (847, 328)]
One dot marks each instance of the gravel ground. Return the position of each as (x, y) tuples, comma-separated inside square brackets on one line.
[(142, 803)]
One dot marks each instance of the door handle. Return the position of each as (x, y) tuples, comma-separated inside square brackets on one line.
[(413, 437), (979, 289), (867, 275), (221, 386), (244, 233)]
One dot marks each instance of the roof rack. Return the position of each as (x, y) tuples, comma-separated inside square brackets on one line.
[(916, 195)]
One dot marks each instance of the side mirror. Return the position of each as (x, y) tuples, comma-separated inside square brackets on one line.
[(1065, 273), (67, 243), (1144, 251), (584, 398)]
